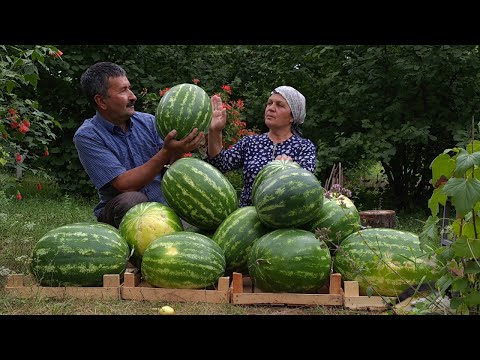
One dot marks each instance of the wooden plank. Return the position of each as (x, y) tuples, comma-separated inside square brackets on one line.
[(351, 288), (133, 289), (365, 302), (287, 298), (14, 280), (247, 294), (111, 280)]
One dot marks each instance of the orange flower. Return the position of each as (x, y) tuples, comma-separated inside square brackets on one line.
[(196, 81)]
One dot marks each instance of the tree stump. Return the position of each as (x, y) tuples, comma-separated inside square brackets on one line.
[(378, 218)]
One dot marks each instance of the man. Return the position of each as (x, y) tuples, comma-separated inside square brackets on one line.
[(120, 148)]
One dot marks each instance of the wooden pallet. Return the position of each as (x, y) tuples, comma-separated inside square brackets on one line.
[(25, 287), (134, 288), (353, 300), (244, 293)]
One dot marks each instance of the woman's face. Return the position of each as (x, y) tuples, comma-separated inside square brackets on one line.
[(277, 113)]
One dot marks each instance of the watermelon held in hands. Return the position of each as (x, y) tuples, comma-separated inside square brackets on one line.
[(387, 260), (183, 108), (145, 222), (79, 255), (289, 260), (183, 260)]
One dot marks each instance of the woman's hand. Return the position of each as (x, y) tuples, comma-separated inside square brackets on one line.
[(283, 157), (219, 115)]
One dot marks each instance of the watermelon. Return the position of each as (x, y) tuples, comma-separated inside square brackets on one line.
[(144, 222), (236, 234), (207, 233), (199, 193), (340, 216), (183, 108), (183, 260), (271, 168), (79, 255), (289, 260), (288, 198), (387, 260)]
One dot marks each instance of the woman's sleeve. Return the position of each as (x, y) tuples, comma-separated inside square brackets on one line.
[(229, 159), (307, 157)]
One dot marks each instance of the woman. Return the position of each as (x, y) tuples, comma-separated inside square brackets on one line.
[(284, 112)]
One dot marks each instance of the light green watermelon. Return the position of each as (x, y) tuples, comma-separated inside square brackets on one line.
[(236, 234), (183, 108), (288, 198), (79, 255), (183, 260), (387, 260), (145, 222), (271, 168), (340, 216), (199, 193), (289, 260)]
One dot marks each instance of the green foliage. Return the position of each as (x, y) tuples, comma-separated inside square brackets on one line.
[(460, 185)]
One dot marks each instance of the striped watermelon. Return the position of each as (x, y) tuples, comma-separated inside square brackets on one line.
[(183, 108), (79, 255), (388, 260), (271, 168), (145, 222), (289, 260), (207, 233), (236, 234), (183, 260), (289, 198), (340, 216), (199, 193)]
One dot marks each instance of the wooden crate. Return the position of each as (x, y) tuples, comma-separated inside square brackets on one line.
[(244, 293), (134, 288), (353, 300), (25, 287)]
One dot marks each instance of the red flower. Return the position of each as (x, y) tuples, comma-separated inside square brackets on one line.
[(39, 186), (196, 81), (189, 154), (227, 88), (18, 157), (26, 122), (12, 111), (162, 92), (58, 53), (13, 124), (46, 153), (23, 129), (19, 196)]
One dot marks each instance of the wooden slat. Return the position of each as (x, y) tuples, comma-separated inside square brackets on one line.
[(237, 283), (141, 293), (287, 298), (111, 280), (351, 288), (365, 302), (15, 280), (335, 284)]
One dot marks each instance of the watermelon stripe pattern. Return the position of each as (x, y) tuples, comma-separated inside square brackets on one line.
[(183, 260), (199, 193), (340, 216), (146, 221), (387, 260), (183, 108), (79, 255), (289, 198), (272, 168), (236, 234), (289, 260)]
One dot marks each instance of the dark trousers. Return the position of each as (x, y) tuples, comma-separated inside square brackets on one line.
[(116, 208)]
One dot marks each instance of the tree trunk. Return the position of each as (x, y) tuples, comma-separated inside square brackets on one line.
[(378, 218)]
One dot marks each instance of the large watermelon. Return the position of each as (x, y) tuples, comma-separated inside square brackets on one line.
[(271, 168), (144, 222), (288, 198), (79, 255), (199, 193), (289, 260), (183, 108), (340, 216), (183, 260), (236, 234), (387, 260)]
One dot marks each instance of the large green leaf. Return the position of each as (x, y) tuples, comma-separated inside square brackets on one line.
[(438, 197), (466, 161), (442, 165), (467, 247), (465, 193)]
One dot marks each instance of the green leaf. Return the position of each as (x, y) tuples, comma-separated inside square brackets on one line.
[(369, 291), (444, 283), (32, 79), (467, 247), (442, 165), (437, 198), (476, 146), (460, 284), (429, 231), (472, 267), (466, 161), (465, 194), (472, 299)]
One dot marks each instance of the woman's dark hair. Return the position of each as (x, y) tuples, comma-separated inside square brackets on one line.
[(95, 79)]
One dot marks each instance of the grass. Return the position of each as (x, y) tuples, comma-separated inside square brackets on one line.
[(23, 223)]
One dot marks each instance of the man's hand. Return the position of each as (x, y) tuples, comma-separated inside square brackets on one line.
[(176, 148)]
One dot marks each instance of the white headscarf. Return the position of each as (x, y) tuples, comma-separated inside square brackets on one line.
[(295, 100)]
